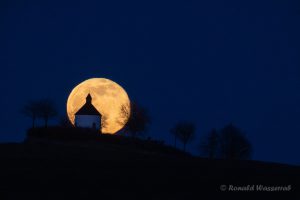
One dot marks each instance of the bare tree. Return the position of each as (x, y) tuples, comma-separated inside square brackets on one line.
[(125, 114), (185, 132), (30, 109), (135, 120), (210, 144), (103, 122), (234, 144), (46, 110)]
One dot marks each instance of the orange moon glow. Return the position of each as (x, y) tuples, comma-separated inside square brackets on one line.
[(107, 97)]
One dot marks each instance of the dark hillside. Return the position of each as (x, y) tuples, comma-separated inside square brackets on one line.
[(108, 169)]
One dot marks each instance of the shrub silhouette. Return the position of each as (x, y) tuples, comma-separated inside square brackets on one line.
[(65, 122)]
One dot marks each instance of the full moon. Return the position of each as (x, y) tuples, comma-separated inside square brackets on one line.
[(107, 97)]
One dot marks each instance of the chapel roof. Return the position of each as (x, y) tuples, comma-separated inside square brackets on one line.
[(88, 108)]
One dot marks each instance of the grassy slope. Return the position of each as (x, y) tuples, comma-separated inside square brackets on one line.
[(113, 171)]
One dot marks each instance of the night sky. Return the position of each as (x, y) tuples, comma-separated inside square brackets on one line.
[(211, 62)]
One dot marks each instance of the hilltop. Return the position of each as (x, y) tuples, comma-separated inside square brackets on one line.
[(114, 167)]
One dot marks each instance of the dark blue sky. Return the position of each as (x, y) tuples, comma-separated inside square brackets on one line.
[(212, 62)]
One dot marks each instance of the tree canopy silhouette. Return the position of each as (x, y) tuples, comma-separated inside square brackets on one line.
[(46, 110), (30, 109), (184, 131), (210, 144), (234, 144), (104, 123), (137, 121), (228, 143)]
